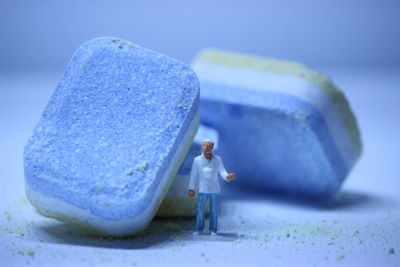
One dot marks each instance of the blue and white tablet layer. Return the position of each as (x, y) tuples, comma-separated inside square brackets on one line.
[(282, 126), (177, 202), (112, 137)]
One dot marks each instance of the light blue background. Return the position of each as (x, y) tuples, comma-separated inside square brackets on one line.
[(44, 34)]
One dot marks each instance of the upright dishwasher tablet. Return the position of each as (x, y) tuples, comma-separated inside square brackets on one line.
[(112, 136)]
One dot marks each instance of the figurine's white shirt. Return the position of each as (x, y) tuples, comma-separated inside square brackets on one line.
[(204, 174)]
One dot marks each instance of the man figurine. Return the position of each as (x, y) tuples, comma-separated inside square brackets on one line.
[(204, 178)]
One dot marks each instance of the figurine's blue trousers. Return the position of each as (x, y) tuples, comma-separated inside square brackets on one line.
[(201, 205)]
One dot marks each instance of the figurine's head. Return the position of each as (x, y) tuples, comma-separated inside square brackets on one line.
[(207, 147)]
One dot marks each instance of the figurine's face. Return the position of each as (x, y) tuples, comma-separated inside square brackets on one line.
[(207, 147)]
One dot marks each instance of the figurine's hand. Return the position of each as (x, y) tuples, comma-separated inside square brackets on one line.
[(230, 176), (191, 193)]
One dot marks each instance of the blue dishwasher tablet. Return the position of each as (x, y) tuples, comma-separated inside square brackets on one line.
[(282, 126), (112, 136)]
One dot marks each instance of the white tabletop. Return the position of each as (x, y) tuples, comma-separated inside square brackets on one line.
[(361, 228)]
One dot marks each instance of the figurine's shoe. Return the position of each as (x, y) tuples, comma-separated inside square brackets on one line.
[(278, 114), (196, 233), (112, 137), (213, 234)]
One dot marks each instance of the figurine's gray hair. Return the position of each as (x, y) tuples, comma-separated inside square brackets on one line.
[(207, 141)]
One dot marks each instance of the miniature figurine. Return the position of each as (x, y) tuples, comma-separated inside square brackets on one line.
[(204, 179)]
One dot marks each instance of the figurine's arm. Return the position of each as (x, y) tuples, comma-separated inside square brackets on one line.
[(194, 179), (223, 173)]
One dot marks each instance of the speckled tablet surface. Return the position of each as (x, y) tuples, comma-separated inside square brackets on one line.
[(111, 137), (282, 126)]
